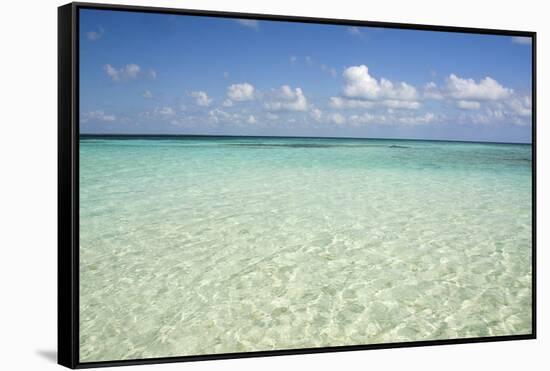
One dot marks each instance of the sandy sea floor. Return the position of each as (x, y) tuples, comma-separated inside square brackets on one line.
[(200, 246)]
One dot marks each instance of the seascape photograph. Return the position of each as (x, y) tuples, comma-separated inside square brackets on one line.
[(257, 185)]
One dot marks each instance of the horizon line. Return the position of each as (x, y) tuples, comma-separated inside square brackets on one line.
[(289, 137)]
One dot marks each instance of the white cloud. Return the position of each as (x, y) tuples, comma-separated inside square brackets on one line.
[(131, 71), (128, 72), (227, 103), (287, 99), (165, 111), (240, 92), (147, 94), (515, 111), (251, 119), (522, 40), (217, 115), (361, 85), (201, 98), (522, 106), (432, 91), (366, 118), (487, 117), (95, 35), (426, 118), (468, 104), (97, 116), (112, 72), (494, 102), (252, 23), (339, 103), (317, 114), (272, 116), (152, 74), (337, 118), (469, 89), (355, 31), (400, 104), (343, 103)]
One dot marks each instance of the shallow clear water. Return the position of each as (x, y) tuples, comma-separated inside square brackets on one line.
[(214, 245)]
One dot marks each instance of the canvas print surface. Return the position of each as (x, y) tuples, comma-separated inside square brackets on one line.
[(264, 185)]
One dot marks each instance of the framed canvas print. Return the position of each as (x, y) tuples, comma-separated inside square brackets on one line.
[(238, 185)]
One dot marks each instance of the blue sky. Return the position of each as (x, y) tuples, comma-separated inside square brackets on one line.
[(159, 73)]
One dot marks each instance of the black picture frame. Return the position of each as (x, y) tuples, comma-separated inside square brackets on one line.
[(68, 185)]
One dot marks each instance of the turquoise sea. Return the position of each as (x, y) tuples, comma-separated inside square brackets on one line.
[(200, 245)]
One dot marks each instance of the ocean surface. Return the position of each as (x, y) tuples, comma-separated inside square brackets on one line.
[(201, 245)]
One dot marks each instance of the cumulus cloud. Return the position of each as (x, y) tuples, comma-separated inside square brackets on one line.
[(201, 98), (159, 113), (489, 101), (468, 104), (361, 90), (392, 119), (165, 111), (97, 116), (432, 91), (426, 118), (469, 89), (227, 103), (337, 118), (344, 103), (147, 94), (516, 110), (112, 72), (400, 104), (287, 99), (522, 40), (152, 74), (219, 116), (522, 106), (487, 117), (361, 85), (366, 118), (339, 103), (251, 23), (95, 35), (316, 114), (128, 72), (240, 92)]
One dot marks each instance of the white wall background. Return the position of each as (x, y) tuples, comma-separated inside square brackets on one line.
[(28, 60)]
